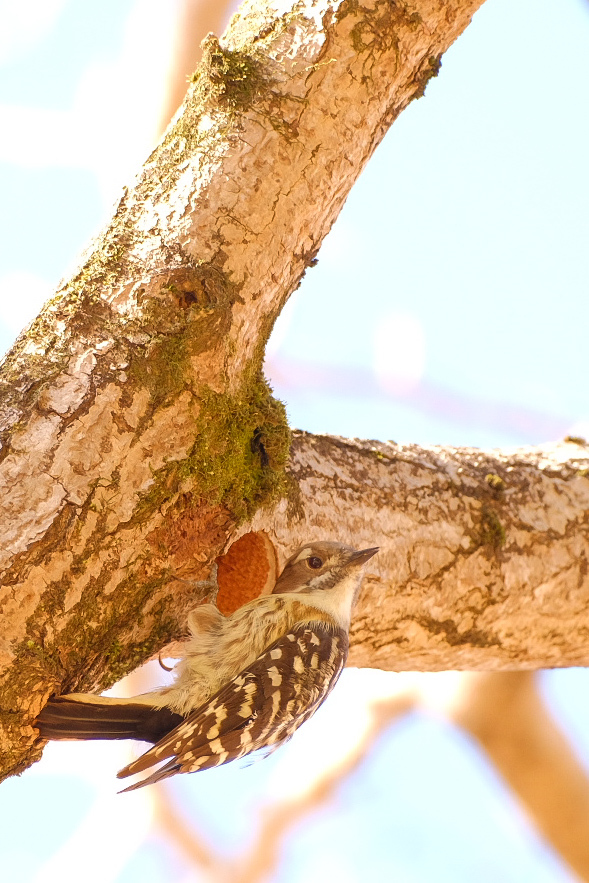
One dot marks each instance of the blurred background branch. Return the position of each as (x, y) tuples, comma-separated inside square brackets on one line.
[(504, 712)]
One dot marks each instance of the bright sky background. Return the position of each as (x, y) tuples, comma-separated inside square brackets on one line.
[(450, 305)]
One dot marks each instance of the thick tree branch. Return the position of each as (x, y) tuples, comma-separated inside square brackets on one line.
[(484, 554), (135, 428)]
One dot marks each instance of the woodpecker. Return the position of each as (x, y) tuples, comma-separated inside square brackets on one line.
[(246, 682)]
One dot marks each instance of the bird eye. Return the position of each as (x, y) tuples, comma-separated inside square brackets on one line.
[(314, 562)]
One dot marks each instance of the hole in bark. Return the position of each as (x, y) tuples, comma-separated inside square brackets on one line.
[(247, 570)]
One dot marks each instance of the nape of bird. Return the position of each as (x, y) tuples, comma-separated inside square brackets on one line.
[(245, 682)]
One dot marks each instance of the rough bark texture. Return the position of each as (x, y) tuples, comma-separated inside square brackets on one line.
[(484, 554), (135, 428)]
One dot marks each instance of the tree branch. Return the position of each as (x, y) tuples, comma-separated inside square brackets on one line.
[(135, 428), (484, 554), (506, 714)]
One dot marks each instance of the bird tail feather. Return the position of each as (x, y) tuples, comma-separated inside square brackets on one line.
[(83, 716)]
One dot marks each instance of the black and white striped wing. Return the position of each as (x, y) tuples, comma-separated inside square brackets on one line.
[(260, 708)]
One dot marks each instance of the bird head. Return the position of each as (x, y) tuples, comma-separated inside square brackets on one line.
[(328, 574)]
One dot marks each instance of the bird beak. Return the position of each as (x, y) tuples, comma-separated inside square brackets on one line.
[(361, 557)]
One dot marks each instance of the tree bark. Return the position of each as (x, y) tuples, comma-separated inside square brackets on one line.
[(483, 561), (136, 429)]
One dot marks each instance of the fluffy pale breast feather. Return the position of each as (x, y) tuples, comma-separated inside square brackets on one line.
[(221, 647)]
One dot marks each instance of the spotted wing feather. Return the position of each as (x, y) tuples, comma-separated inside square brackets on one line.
[(260, 708)]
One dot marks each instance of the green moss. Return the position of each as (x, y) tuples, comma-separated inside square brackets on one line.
[(227, 77), (96, 654), (121, 659), (81, 657), (163, 368), (495, 481), (36, 657), (225, 83), (239, 456), (241, 440), (492, 532), (191, 316), (105, 266)]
